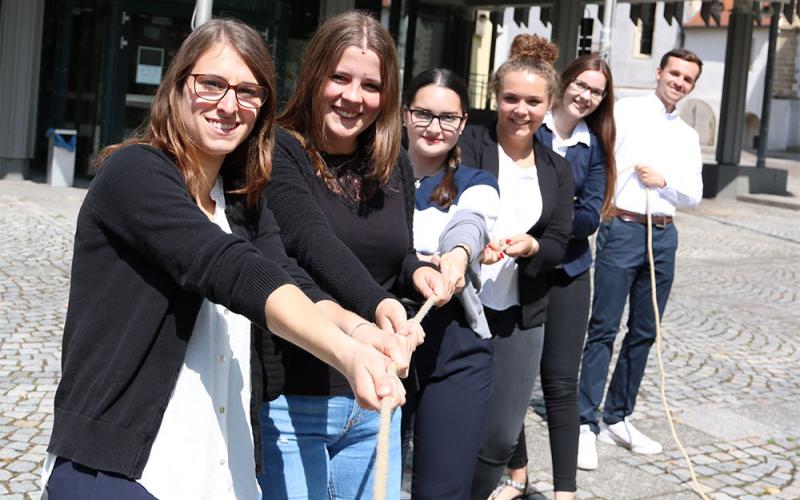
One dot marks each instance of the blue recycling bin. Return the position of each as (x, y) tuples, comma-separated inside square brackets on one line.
[(61, 156)]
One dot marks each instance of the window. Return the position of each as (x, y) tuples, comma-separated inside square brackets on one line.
[(643, 34)]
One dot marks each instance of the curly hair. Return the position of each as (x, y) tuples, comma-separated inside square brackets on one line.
[(531, 54)]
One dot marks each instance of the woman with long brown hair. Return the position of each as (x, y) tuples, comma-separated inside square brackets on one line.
[(581, 128), (176, 258), (343, 194)]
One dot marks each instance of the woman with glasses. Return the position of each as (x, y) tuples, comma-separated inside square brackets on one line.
[(175, 258), (456, 206), (581, 129), (529, 239), (343, 194)]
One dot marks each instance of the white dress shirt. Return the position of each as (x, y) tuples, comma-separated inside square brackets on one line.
[(580, 134), (520, 209), (647, 134), (204, 447)]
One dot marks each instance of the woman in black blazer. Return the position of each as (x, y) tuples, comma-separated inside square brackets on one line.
[(530, 237)]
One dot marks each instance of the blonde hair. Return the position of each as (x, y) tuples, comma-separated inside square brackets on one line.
[(531, 54), (305, 118), (166, 131)]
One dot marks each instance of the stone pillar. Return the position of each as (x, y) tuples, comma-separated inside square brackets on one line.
[(567, 16), (734, 83), (20, 49)]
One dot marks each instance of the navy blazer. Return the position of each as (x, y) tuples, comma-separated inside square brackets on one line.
[(479, 149), (589, 171)]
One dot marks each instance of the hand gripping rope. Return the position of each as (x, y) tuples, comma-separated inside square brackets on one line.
[(382, 452)]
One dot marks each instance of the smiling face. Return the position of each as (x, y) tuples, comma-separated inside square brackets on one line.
[(432, 140), (217, 128), (675, 81), (351, 99), (584, 94), (522, 101)]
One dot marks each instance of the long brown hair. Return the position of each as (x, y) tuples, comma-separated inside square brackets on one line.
[(445, 193), (531, 54), (166, 131), (305, 118), (601, 120)]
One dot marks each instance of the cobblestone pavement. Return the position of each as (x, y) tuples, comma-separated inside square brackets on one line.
[(731, 350)]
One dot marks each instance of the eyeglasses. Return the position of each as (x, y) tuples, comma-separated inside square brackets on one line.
[(213, 88), (580, 87), (424, 117)]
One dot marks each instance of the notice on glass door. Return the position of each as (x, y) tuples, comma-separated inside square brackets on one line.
[(149, 65)]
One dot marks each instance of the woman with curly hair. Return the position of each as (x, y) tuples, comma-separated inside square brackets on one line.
[(529, 238), (581, 129)]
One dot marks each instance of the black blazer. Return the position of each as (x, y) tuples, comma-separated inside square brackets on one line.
[(479, 149)]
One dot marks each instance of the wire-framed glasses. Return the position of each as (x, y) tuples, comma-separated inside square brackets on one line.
[(580, 87), (421, 117), (213, 88)]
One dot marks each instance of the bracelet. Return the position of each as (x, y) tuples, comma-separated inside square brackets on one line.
[(357, 327), (466, 249)]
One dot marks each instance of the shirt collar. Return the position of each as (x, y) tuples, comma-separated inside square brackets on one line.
[(579, 134), (663, 109), (217, 194)]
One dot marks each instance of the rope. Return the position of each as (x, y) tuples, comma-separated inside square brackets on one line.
[(382, 452), (661, 374)]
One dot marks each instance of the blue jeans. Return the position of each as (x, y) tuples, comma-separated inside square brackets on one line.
[(318, 447), (622, 272)]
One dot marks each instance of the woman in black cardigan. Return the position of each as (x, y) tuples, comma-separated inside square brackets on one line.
[(175, 256), (530, 237), (342, 192)]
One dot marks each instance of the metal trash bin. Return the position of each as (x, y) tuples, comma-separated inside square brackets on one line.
[(61, 156)]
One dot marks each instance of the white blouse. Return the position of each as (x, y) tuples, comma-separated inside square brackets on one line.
[(520, 209), (204, 447)]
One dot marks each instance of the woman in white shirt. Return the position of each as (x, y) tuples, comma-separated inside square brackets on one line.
[(529, 238)]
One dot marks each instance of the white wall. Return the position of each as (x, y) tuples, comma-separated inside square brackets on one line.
[(635, 75)]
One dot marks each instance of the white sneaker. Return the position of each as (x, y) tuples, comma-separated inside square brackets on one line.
[(626, 435), (587, 449)]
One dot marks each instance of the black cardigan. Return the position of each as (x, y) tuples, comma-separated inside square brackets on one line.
[(358, 253), (145, 257), (479, 149)]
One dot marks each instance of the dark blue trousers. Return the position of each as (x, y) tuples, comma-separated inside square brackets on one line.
[(448, 413), (622, 273), (71, 481)]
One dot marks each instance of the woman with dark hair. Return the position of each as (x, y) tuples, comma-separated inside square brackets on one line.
[(530, 238), (581, 129), (175, 255), (456, 206), (343, 195)]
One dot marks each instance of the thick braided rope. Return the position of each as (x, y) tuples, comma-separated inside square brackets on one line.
[(661, 374), (382, 452)]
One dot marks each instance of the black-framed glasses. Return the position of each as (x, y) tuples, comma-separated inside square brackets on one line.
[(213, 88), (580, 87), (424, 117)]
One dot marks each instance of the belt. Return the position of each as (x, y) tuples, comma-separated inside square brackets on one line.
[(658, 220)]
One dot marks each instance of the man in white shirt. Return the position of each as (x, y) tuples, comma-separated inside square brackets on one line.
[(659, 168)]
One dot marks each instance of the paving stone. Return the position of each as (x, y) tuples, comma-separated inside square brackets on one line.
[(731, 347)]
